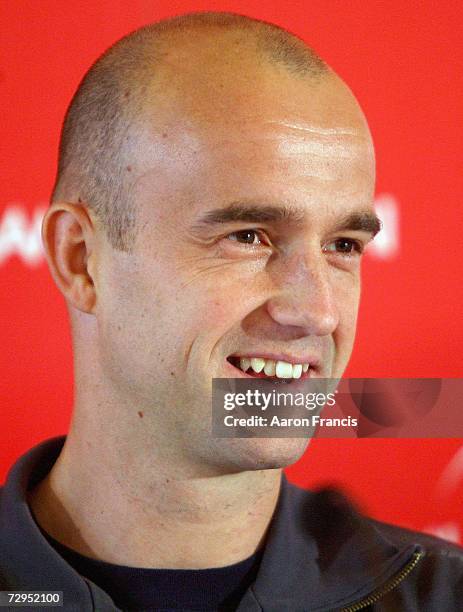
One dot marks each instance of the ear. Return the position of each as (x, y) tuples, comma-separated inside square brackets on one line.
[(68, 236)]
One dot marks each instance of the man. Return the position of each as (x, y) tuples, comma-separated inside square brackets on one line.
[(213, 199)]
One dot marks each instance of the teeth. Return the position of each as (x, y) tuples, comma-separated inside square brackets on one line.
[(269, 369), (280, 369), (257, 364), (284, 369), (245, 363)]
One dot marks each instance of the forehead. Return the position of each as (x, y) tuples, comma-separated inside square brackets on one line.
[(279, 139), (208, 87)]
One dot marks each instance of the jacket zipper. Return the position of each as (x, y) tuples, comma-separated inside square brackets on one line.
[(391, 584)]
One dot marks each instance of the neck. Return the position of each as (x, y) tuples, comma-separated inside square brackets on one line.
[(112, 505)]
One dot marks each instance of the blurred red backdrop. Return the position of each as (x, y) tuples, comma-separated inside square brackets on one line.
[(404, 62)]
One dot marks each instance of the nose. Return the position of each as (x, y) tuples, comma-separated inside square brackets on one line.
[(305, 296)]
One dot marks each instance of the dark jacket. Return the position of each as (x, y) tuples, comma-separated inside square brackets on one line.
[(320, 554)]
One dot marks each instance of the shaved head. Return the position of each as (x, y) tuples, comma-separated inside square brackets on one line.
[(100, 143), (214, 199)]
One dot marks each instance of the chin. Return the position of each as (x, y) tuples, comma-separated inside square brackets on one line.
[(246, 454)]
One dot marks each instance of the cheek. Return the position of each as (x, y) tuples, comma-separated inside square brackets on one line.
[(220, 311), (347, 292), (147, 328), (127, 339), (131, 328), (209, 320)]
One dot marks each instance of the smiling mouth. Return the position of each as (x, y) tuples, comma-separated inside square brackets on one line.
[(261, 367)]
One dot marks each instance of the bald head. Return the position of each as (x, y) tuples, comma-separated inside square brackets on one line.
[(226, 177), (163, 63)]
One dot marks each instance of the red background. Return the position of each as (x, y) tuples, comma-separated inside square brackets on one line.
[(404, 62)]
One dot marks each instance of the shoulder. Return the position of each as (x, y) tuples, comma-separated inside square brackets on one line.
[(398, 568), (436, 580), (431, 545), (330, 506)]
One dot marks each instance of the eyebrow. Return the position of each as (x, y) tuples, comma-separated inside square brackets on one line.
[(363, 220), (238, 211)]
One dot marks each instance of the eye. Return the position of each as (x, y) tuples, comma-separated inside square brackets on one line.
[(251, 237), (344, 246)]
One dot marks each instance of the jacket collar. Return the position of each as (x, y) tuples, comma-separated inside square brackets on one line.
[(321, 554), (29, 562)]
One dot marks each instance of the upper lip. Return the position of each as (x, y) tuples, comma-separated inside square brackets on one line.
[(313, 360)]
